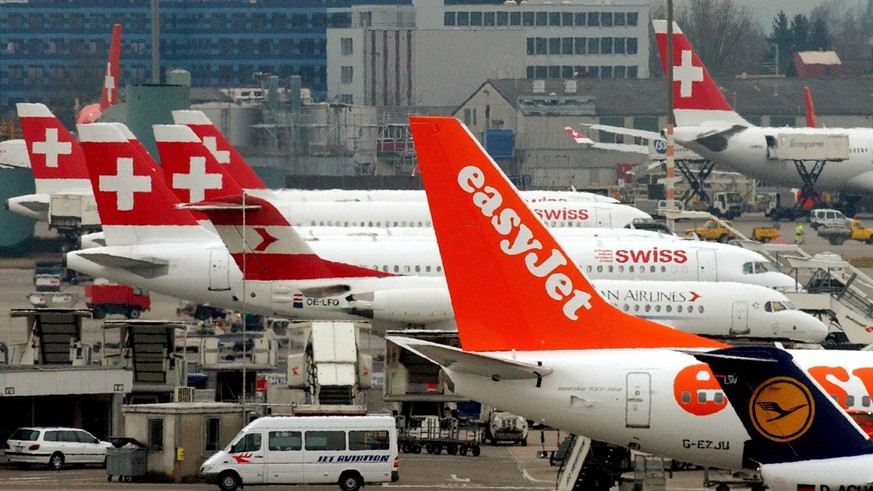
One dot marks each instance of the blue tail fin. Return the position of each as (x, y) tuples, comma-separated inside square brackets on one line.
[(787, 414)]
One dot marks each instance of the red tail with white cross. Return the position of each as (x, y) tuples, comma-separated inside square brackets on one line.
[(56, 159), (134, 204), (697, 100)]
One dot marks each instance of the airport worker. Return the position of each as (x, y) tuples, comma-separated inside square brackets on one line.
[(798, 234)]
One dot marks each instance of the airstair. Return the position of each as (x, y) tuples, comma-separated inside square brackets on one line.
[(147, 348), (54, 337)]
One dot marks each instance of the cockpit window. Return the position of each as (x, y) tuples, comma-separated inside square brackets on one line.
[(756, 267), (774, 306)]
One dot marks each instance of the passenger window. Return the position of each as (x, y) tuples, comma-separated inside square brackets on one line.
[(284, 441), (648, 307), (52, 436), (84, 437), (718, 398), (427, 269), (686, 397), (700, 308), (668, 308), (850, 401), (865, 401), (599, 268), (325, 440), (369, 440), (747, 268), (636, 307), (439, 269), (248, 443)]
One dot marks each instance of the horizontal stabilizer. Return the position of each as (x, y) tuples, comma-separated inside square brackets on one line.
[(145, 267), (457, 360)]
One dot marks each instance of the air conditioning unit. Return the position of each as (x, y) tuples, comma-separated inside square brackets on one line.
[(185, 394)]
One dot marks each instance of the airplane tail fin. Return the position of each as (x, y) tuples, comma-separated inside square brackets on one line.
[(266, 246), (219, 146), (512, 286), (56, 159), (787, 414), (810, 108), (190, 169), (577, 136), (109, 93), (133, 203), (697, 100)]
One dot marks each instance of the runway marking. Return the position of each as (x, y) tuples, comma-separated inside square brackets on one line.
[(456, 478), (527, 476)]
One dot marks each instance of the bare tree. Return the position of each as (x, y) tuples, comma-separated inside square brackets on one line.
[(724, 35)]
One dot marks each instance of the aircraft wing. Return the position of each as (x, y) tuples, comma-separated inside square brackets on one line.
[(622, 147), (457, 360), (620, 130), (145, 267)]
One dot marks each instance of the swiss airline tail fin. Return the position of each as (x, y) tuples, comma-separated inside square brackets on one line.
[(697, 100), (512, 285), (109, 91), (134, 204), (265, 246), (190, 169), (787, 414), (219, 146), (56, 159), (577, 136)]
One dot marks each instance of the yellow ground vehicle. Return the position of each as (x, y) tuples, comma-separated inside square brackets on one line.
[(854, 230), (712, 230), (765, 234)]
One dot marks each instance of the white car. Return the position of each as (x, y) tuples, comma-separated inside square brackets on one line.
[(55, 447)]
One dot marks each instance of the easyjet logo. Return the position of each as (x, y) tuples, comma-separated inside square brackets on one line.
[(653, 255), (562, 214), (521, 242), (697, 391)]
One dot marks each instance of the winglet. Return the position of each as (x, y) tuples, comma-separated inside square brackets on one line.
[(219, 146), (788, 415), (512, 286), (265, 246), (696, 97)]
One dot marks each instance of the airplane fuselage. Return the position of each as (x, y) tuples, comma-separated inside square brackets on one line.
[(746, 152)]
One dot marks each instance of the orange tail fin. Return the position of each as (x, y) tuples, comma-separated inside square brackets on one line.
[(512, 286)]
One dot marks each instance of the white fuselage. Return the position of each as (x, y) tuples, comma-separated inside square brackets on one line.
[(838, 474), (660, 401), (746, 152)]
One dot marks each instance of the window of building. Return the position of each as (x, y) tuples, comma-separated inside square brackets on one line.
[(542, 18), (593, 46), (554, 18), (541, 71), (35, 76), (554, 46), (579, 46), (606, 19), (346, 75), (286, 47), (463, 19), (325, 440), (213, 434), (35, 21), (35, 47), (568, 72), (566, 46), (346, 46), (580, 19), (218, 21), (631, 46), (618, 19), (554, 71), (56, 21), (138, 22), (97, 21), (531, 43), (476, 19), (632, 18), (515, 18), (470, 116), (347, 99), (156, 435), (278, 21), (319, 20), (16, 75), (55, 47), (542, 46), (527, 19), (259, 21), (593, 19), (238, 22), (488, 19), (620, 72), (606, 46), (567, 19), (618, 46), (502, 18), (265, 48), (449, 18), (15, 21)]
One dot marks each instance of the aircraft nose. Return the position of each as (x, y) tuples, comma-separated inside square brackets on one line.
[(809, 328)]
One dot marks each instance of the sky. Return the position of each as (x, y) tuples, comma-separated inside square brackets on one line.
[(766, 10)]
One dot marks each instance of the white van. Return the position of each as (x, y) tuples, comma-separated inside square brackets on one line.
[(347, 450)]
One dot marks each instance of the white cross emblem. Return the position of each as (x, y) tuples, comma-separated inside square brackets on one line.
[(109, 82), (197, 181), (125, 184), (687, 74), (222, 156), (51, 147)]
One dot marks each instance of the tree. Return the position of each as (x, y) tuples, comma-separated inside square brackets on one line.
[(781, 43), (819, 36)]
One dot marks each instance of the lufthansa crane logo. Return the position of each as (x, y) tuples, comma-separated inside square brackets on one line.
[(782, 409)]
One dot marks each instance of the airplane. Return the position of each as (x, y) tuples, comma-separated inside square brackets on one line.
[(801, 439), (109, 92), (537, 340), (226, 154), (708, 125), (272, 280), (193, 173)]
